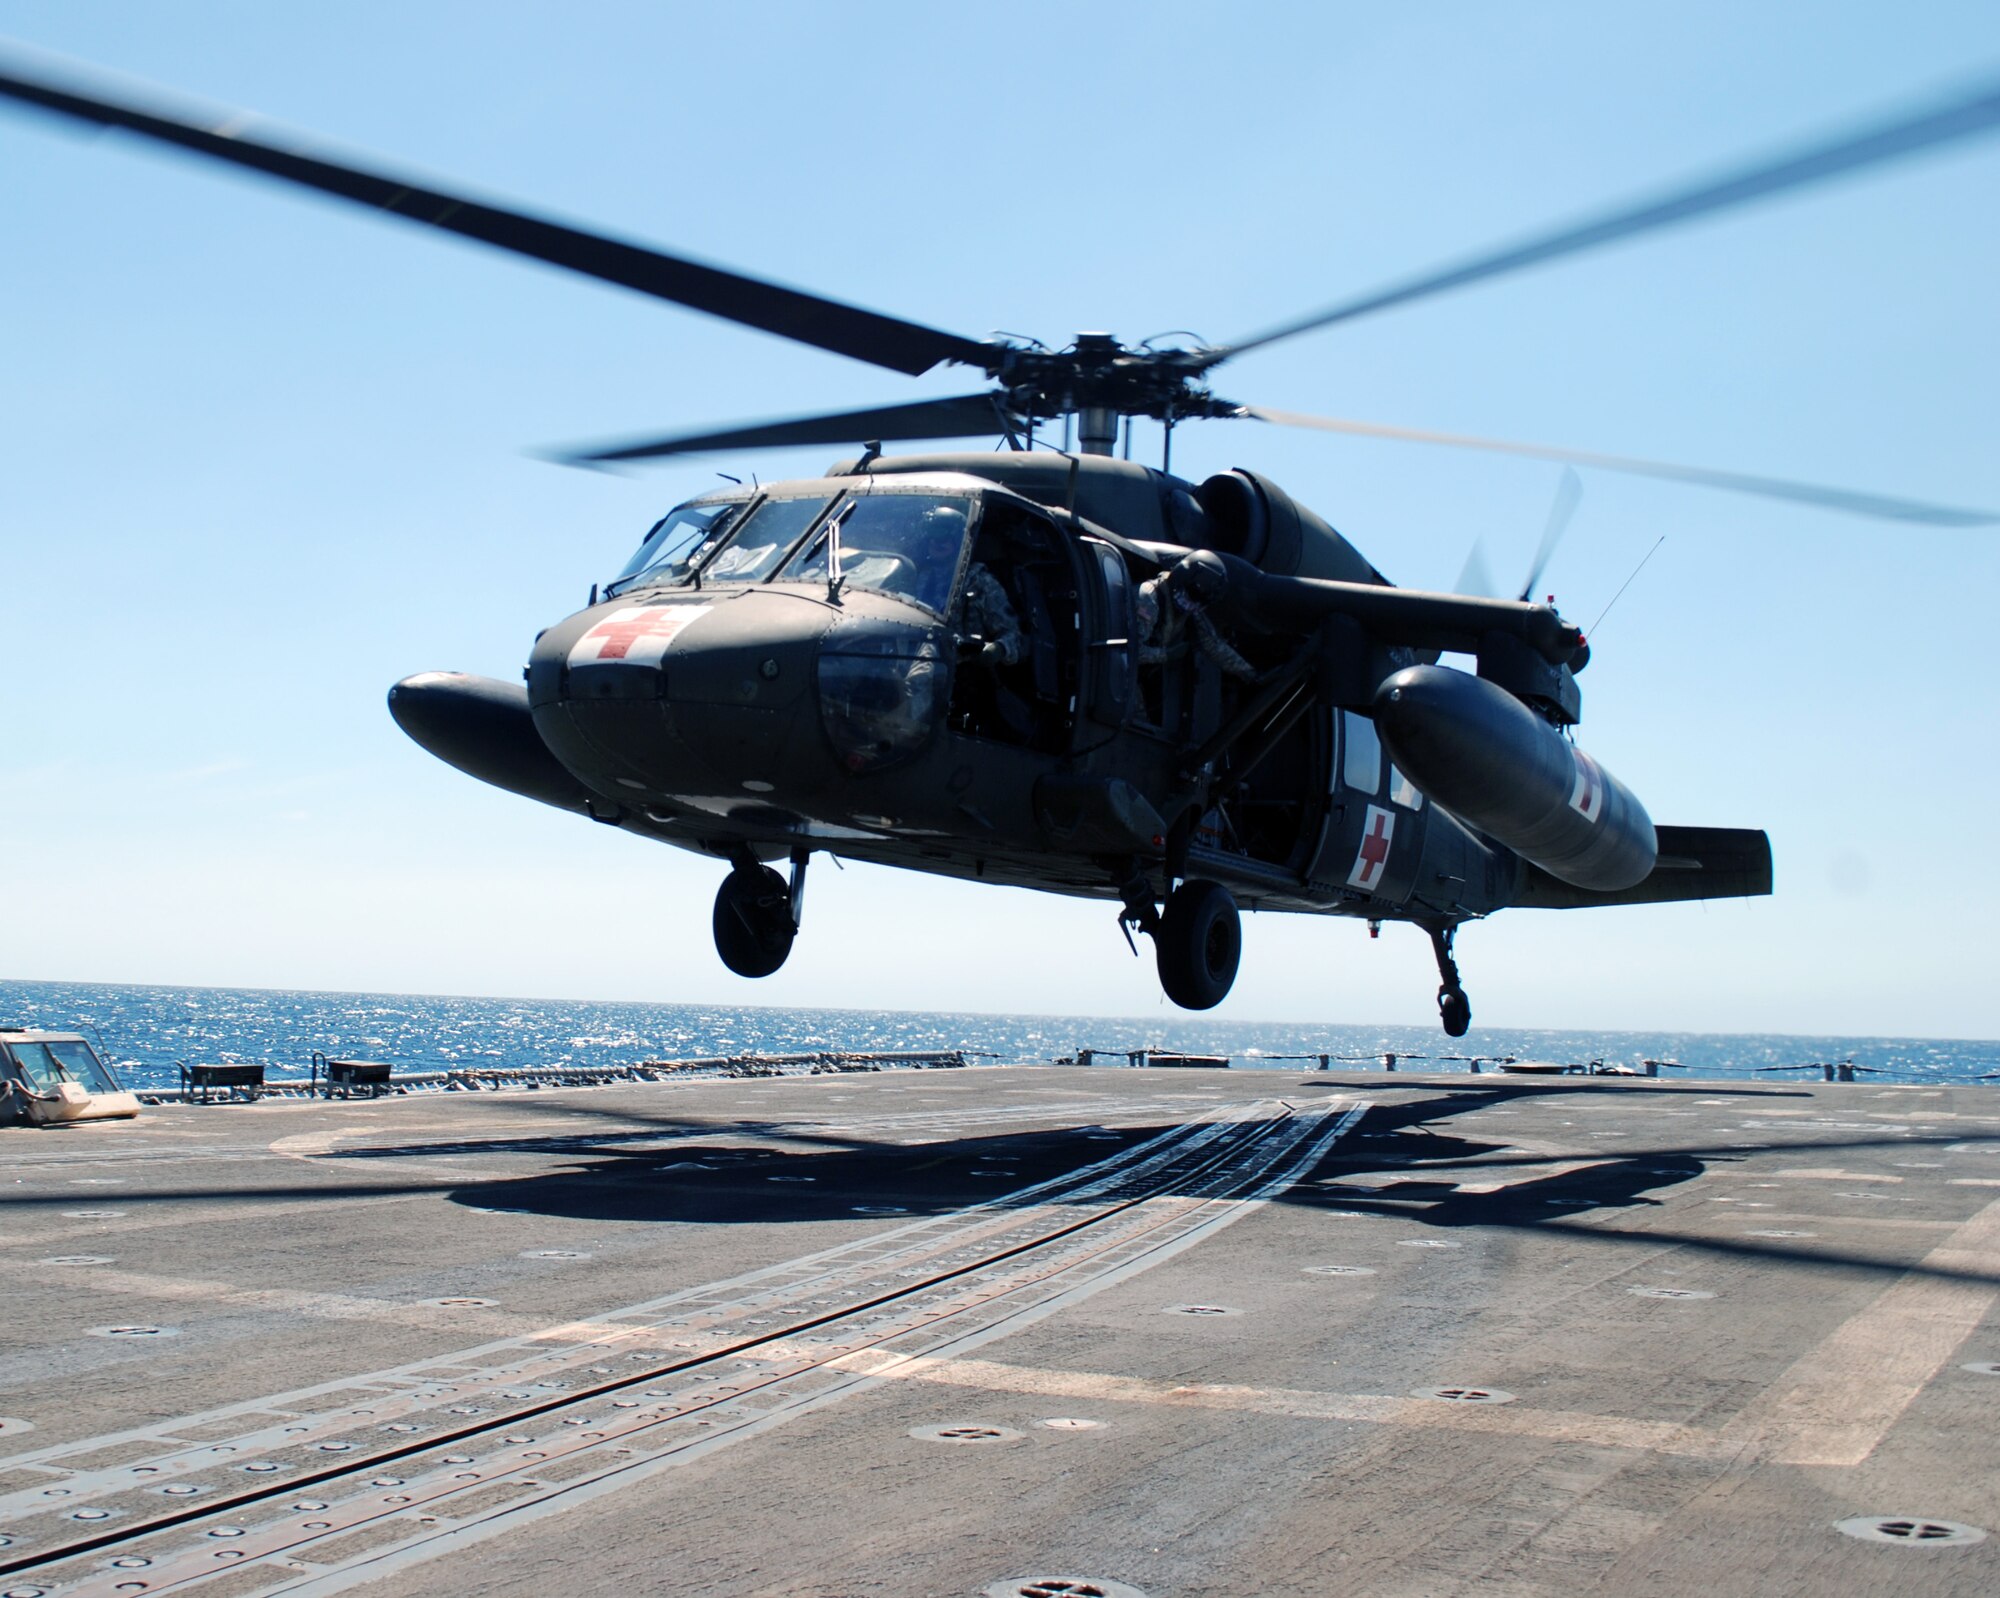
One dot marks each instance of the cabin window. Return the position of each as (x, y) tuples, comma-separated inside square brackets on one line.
[(1402, 791), (1361, 753), (1111, 649)]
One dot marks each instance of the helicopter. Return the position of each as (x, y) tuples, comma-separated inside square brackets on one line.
[(1045, 666)]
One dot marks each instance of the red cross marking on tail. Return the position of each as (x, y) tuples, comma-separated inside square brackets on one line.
[(1587, 797)]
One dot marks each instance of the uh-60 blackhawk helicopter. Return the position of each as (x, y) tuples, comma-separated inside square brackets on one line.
[(1050, 667)]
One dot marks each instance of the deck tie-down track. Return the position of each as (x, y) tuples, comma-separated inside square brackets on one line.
[(319, 1487)]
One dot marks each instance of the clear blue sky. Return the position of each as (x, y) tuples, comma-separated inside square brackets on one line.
[(260, 456)]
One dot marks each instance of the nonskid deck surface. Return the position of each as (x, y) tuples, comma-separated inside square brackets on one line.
[(1198, 1332)]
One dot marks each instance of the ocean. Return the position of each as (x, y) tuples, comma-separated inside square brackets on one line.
[(146, 1031)]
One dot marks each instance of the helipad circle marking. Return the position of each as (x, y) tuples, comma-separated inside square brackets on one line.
[(81, 1259), (1061, 1587), (94, 1215), (1071, 1423), (461, 1303), (135, 1331), (1668, 1292), (1338, 1270), (554, 1254)]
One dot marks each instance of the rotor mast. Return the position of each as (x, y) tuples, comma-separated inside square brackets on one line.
[(1096, 422)]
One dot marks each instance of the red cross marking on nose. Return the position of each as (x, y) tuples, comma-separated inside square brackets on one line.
[(615, 638)]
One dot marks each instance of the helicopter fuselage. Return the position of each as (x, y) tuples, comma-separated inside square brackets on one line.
[(806, 667)]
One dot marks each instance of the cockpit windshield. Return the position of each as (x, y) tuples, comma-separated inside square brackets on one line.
[(903, 544), (716, 542), (676, 543), (761, 542)]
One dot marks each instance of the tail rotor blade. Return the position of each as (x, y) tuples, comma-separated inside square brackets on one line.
[(1475, 578), (1568, 494)]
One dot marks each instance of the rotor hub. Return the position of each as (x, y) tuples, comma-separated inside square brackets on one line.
[(1099, 373)]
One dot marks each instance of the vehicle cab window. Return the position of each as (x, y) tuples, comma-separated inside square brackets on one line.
[(46, 1066)]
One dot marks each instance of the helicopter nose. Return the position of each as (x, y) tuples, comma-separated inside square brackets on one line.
[(682, 696)]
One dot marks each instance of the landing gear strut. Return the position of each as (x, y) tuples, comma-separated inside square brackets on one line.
[(1197, 940), (757, 914), (1454, 1008)]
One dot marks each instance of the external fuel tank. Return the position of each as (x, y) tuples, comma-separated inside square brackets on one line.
[(1481, 754)]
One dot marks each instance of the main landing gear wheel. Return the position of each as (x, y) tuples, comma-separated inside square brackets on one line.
[(1199, 944), (753, 921)]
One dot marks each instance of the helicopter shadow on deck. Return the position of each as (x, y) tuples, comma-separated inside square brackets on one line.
[(700, 1174), (1469, 1186), (1405, 1160)]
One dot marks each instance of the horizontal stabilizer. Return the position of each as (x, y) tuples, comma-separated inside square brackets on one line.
[(1694, 863)]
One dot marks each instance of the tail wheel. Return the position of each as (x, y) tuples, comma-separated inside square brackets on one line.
[(753, 921), (1199, 944), (1455, 1011)]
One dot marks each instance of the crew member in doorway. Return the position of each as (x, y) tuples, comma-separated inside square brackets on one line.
[(1169, 607)]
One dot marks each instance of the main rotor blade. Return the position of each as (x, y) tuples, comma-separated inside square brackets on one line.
[(964, 416), (1854, 503), (1941, 123), (790, 313)]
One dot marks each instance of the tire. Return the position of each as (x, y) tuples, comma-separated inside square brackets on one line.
[(1199, 945), (1455, 1011), (753, 922)]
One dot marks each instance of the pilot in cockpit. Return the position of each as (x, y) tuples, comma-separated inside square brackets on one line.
[(989, 614)]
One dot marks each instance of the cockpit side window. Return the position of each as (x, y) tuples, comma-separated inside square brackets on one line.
[(904, 544), (674, 546)]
